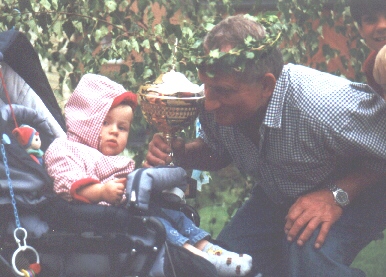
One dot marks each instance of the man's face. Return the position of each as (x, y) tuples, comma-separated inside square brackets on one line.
[(230, 100), (373, 30), (115, 130)]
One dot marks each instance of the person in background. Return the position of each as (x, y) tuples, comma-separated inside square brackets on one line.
[(370, 17), (317, 153)]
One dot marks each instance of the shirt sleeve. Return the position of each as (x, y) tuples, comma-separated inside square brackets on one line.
[(362, 133)]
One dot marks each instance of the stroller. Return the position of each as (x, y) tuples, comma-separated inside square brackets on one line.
[(43, 235)]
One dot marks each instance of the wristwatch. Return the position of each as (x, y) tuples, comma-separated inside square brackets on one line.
[(340, 196)]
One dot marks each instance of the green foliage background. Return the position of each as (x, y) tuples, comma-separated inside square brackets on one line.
[(82, 36)]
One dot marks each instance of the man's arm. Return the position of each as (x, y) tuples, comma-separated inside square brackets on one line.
[(319, 208)]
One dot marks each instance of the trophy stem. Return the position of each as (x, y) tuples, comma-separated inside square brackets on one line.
[(168, 137)]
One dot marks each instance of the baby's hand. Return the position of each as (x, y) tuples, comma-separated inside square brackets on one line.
[(113, 191)]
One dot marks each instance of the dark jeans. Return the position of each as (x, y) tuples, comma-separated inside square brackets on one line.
[(258, 229), (180, 229)]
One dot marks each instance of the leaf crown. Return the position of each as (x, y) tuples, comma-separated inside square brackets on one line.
[(248, 52)]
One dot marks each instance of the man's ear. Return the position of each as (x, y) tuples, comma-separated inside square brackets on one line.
[(268, 84)]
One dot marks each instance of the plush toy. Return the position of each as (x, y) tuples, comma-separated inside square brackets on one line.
[(29, 139)]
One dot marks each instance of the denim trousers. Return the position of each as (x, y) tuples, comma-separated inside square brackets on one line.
[(258, 229), (179, 228)]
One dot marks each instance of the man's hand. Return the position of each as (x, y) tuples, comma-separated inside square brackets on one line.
[(159, 151), (309, 212), (112, 191)]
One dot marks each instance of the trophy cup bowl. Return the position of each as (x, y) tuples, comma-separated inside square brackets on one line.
[(169, 113)]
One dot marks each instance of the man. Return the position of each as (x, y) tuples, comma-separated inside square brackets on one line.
[(370, 17), (312, 141)]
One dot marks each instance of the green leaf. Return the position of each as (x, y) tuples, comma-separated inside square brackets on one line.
[(54, 4), (147, 73), (45, 4), (250, 55), (78, 26), (214, 53), (110, 5), (158, 30), (145, 44), (134, 44), (57, 28), (101, 33)]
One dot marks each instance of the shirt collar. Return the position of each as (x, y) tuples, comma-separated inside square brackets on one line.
[(273, 115)]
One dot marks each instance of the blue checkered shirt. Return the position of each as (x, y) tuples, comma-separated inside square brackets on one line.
[(316, 126)]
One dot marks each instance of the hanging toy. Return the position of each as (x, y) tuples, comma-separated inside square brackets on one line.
[(29, 139), (22, 256)]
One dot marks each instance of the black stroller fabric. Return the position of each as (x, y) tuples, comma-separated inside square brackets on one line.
[(73, 239)]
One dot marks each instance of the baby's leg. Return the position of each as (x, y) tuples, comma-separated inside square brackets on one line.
[(226, 262), (194, 250), (214, 249)]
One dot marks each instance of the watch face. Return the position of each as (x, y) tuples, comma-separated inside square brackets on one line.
[(341, 197)]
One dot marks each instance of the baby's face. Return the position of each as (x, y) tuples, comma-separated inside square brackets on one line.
[(115, 130), (373, 30)]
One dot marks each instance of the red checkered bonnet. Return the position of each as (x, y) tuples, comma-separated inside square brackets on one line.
[(89, 104)]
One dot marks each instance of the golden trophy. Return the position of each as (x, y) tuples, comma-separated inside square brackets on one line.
[(171, 104)]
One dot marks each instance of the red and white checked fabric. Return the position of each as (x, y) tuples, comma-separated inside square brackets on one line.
[(68, 162), (76, 158)]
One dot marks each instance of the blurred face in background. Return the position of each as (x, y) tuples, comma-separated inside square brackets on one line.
[(373, 30)]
